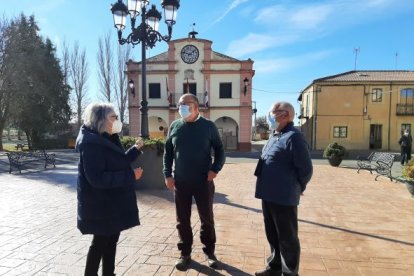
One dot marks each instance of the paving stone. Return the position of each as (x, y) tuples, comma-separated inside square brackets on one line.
[(349, 224)]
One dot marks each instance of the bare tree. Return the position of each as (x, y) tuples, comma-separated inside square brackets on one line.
[(79, 76), (105, 67), (65, 61), (121, 80)]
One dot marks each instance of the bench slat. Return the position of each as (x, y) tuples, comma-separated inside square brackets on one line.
[(380, 162)]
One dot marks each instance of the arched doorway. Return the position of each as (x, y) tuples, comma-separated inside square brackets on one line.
[(157, 127), (228, 130)]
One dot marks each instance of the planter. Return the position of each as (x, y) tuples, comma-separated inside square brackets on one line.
[(151, 163), (410, 187), (335, 160)]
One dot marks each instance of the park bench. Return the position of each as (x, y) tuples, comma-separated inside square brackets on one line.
[(20, 146), (380, 162), (18, 160)]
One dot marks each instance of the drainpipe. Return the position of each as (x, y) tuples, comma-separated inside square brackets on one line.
[(389, 118), (315, 91)]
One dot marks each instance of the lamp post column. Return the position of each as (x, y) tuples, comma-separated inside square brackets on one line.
[(144, 103)]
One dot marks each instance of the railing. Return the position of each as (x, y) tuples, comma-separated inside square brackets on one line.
[(405, 109)]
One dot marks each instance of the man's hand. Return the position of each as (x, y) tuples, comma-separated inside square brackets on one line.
[(170, 183), (211, 175)]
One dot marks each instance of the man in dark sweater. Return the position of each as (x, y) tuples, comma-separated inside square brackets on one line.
[(283, 170), (188, 146)]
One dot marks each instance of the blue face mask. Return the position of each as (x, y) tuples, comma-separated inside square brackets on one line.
[(184, 111), (271, 121)]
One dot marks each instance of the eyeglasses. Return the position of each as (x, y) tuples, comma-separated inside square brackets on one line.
[(279, 111), (184, 103)]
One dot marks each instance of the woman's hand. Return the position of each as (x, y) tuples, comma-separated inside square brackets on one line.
[(138, 173), (139, 143)]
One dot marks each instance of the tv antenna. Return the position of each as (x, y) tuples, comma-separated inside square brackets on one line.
[(356, 52), (396, 60)]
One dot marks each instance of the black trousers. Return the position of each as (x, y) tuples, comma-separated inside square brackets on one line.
[(203, 195), (405, 154), (281, 226), (102, 247)]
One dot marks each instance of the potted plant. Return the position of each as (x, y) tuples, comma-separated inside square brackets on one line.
[(150, 161), (408, 176), (335, 153)]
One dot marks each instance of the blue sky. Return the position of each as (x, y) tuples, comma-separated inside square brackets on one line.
[(292, 42)]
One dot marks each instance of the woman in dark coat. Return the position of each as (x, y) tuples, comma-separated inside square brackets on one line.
[(107, 203)]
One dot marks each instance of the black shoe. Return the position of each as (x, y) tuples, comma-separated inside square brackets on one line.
[(212, 261), (268, 272), (183, 262)]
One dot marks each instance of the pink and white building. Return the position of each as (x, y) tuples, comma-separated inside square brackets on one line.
[(221, 83)]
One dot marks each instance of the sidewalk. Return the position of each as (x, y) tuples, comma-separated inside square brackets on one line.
[(349, 225)]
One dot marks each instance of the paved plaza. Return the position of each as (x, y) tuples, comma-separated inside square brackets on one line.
[(349, 224)]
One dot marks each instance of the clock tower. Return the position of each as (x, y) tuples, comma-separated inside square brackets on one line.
[(222, 85)]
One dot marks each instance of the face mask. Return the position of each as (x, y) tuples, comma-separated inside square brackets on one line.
[(184, 111), (116, 127), (271, 121), (406, 133)]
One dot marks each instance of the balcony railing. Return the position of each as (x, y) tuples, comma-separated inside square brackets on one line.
[(202, 99), (405, 109)]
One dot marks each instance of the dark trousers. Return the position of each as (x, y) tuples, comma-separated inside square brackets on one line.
[(102, 247), (203, 195), (281, 226), (405, 155)]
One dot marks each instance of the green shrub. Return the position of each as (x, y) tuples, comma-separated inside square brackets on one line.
[(334, 149), (153, 143), (408, 171)]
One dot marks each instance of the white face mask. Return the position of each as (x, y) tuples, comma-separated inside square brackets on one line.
[(184, 111), (116, 127), (271, 121)]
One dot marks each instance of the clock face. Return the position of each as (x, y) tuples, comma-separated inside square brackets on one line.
[(189, 54)]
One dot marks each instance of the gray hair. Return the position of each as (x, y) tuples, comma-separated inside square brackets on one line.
[(192, 96), (288, 107), (95, 116)]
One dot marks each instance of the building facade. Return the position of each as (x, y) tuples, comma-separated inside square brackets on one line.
[(191, 66), (362, 110)]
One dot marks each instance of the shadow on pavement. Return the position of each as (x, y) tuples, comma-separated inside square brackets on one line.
[(201, 268), (355, 232), (222, 199)]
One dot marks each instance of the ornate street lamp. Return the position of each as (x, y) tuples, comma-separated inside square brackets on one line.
[(146, 33), (246, 83)]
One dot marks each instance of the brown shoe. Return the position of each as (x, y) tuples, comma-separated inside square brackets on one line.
[(268, 272), (183, 262)]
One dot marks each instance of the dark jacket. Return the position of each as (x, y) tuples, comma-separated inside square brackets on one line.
[(405, 141), (107, 203), (284, 168), (189, 146)]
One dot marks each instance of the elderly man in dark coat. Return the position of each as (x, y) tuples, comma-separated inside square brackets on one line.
[(283, 170), (107, 203)]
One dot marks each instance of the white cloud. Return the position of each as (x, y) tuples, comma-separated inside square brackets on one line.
[(232, 6), (256, 42), (328, 14), (285, 24), (277, 65)]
